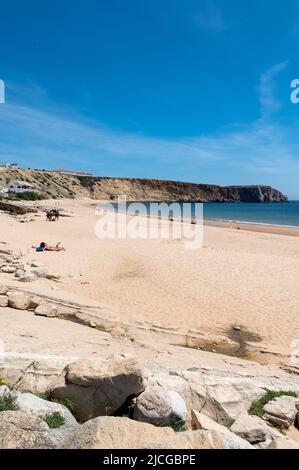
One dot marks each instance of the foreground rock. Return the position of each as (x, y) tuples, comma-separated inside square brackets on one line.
[(254, 430), (160, 407), (98, 388), (20, 430), (29, 403), (283, 443), (231, 440), (282, 411), (18, 300), (123, 433)]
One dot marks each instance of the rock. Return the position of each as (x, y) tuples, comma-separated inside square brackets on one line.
[(47, 309), (283, 443), (3, 290), (8, 269), (3, 300), (27, 277), (225, 403), (20, 430), (4, 391), (160, 407), (231, 440), (19, 273), (29, 403), (109, 432), (190, 440), (35, 301), (253, 429), (98, 388), (42, 273), (18, 300), (281, 411)]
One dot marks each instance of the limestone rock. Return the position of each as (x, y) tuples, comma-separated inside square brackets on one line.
[(47, 309), (231, 440), (281, 411), (29, 403), (160, 407), (3, 301), (109, 432), (99, 388), (18, 300), (20, 430), (42, 273), (283, 443), (8, 269), (27, 277), (3, 290), (253, 429)]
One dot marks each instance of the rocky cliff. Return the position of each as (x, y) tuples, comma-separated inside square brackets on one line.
[(54, 185)]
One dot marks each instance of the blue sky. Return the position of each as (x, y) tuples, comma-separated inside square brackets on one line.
[(177, 89)]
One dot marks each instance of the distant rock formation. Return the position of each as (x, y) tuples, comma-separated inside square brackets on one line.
[(52, 184)]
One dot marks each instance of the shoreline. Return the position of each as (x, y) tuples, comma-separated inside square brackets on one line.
[(253, 227)]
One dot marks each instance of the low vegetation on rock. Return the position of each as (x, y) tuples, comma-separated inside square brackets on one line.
[(54, 420), (7, 403), (257, 406)]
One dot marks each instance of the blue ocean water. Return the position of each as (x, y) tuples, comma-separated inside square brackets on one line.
[(278, 213), (284, 213)]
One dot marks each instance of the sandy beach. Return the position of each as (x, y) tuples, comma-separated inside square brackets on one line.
[(239, 277)]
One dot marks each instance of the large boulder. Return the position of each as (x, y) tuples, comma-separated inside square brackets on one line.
[(231, 440), (20, 430), (109, 432), (281, 411), (8, 269), (99, 388), (254, 429), (18, 300), (160, 407)]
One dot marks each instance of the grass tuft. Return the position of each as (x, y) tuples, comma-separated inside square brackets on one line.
[(8, 403), (257, 406), (54, 420)]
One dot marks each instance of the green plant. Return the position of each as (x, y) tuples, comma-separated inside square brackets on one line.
[(42, 395), (67, 402), (7, 403), (257, 406), (178, 427), (29, 196), (54, 420)]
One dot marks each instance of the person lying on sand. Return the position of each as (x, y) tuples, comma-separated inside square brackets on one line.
[(45, 247)]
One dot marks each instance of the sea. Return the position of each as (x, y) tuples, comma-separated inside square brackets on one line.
[(284, 214)]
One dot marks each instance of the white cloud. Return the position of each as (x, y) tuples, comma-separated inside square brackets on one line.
[(268, 101)]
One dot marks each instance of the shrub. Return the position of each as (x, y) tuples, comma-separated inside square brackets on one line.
[(54, 420), (7, 403), (257, 406), (67, 402), (29, 196)]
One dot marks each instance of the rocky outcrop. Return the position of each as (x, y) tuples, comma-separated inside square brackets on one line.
[(20, 430), (231, 440), (98, 388), (52, 184), (123, 433), (282, 411), (254, 430), (160, 407)]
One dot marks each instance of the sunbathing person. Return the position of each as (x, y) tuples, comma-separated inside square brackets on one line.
[(45, 247)]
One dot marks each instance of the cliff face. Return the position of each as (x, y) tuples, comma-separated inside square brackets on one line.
[(52, 184)]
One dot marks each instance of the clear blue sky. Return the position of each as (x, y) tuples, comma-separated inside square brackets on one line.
[(178, 89)]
